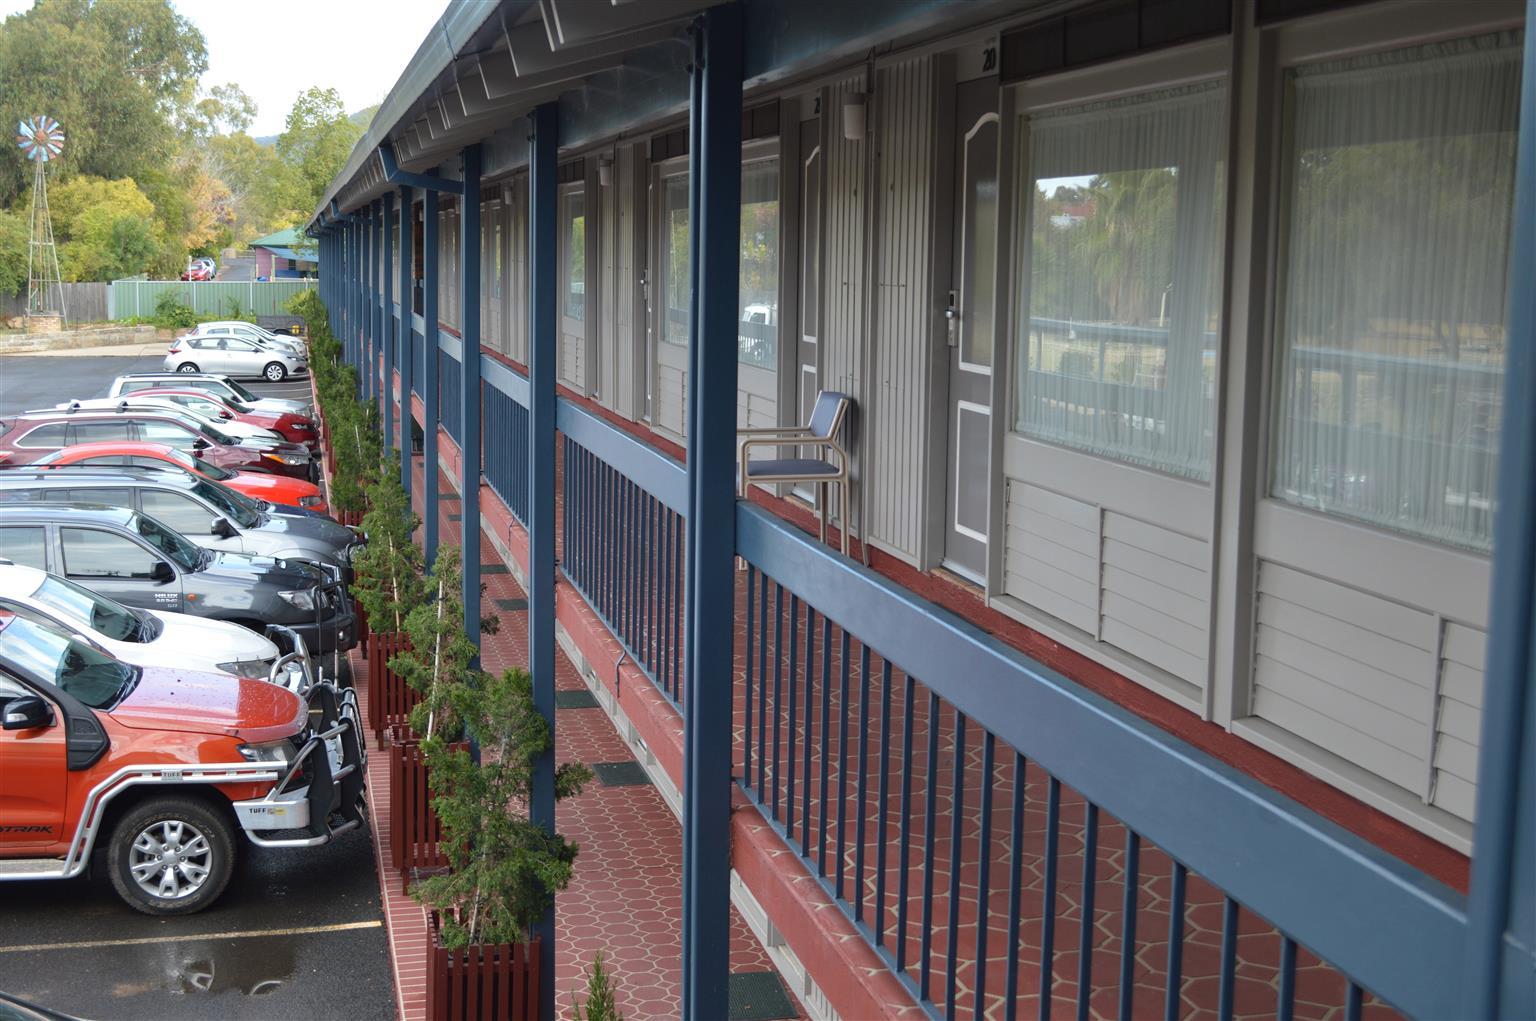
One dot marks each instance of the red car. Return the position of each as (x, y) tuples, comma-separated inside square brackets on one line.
[(274, 489), (291, 427)]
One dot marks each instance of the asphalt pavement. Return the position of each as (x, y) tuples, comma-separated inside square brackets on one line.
[(242, 268), (298, 934)]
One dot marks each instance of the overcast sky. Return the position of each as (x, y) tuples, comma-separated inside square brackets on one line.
[(275, 49)]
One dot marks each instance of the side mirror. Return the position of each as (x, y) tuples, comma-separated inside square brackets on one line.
[(162, 572), (27, 713), (201, 443), (226, 415), (222, 528)]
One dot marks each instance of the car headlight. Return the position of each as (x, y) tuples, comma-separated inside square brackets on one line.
[(311, 501), (267, 751), (299, 599), (287, 458), (258, 668)]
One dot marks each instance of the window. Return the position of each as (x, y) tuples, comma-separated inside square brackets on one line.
[(236, 344), (90, 553), (158, 431), (119, 497), (177, 512), (101, 432), (133, 386), (114, 459), (25, 545), (45, 437), (674, 259), (758, 332), (573, 221), (1118, 350), (1390, 328)]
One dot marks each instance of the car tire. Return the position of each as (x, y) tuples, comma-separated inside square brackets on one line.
[(188, 367), (185, 828), (274, 372)]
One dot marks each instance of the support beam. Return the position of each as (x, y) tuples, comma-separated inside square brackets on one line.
[(407, 307), (715, 164), (469, 397), (1500, 977), (432, 182), (365, 349), (543, 286), (429, 394), (391, 324)]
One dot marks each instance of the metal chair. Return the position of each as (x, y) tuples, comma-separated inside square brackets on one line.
[(820, 434)]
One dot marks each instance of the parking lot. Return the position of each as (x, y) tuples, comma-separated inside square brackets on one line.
[(297, 934)]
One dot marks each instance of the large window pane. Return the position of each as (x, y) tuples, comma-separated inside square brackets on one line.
[(1118, 351), (674, 256), (758, 333), (573, 211), (1391, 319)]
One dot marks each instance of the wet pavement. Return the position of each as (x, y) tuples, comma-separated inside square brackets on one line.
[(298, 934)]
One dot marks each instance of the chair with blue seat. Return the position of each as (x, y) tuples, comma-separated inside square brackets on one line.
[(830, 468)]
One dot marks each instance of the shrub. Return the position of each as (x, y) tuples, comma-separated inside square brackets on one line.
[(601, 1003), (171, 314)]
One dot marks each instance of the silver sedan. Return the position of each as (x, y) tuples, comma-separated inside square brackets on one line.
[(233, 356)]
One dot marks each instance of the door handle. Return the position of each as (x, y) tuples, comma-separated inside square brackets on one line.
[(952, 321)]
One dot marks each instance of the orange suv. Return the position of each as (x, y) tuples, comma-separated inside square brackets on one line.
[(157, 773)]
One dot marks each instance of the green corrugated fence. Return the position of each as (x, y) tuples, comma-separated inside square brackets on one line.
[(128, 299)]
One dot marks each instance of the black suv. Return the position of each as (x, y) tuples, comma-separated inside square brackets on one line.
[(138, 561)]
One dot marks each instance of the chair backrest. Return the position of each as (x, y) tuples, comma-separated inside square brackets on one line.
[(827, 415)]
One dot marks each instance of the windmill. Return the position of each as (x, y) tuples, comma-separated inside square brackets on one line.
[(42, 139)]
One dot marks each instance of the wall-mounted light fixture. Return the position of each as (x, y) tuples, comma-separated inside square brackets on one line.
[(853, 117), (605, 171)]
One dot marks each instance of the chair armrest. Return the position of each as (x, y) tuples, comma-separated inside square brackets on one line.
[(769, 441), (799, 430)]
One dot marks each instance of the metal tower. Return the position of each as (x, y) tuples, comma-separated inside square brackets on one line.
[(41, 139)]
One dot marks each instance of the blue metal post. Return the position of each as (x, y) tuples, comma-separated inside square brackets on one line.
[(355, 326), (407, 307), (375, 309), (429, 395), (391, 325), (469, 397), (1501, 948), (365, 351), (543, 285), (715, 163)]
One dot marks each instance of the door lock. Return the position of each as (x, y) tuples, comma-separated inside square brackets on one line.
[(952, 321)]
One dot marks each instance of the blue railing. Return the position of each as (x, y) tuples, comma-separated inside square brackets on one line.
[(968, 809), (450, 396), (504, 435), (622, 535)]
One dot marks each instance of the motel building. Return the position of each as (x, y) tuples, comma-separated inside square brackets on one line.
[(1043, 486)]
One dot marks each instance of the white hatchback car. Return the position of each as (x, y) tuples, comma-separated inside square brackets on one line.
[(249, 331), (141, 637), (230, 427)]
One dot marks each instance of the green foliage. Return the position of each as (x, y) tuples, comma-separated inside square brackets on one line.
[(14, 235), (504, 869), (171, 314), (389, 583), (315, 143), (602, 1004), (106, 230)]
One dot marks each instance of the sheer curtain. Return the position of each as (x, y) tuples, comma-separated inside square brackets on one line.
[(1391, 319), (1119, 348)]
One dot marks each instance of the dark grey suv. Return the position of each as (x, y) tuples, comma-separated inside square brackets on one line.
[(211, 515), (140, 562)]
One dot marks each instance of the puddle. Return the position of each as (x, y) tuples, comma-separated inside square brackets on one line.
[(247, 967)]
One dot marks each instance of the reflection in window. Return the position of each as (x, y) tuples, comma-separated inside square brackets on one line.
[(674, 255), (1119, 349), (1391, 323), (574, 218), (758, 332)]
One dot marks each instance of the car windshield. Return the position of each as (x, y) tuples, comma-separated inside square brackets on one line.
[(114, 620), (223, 439), (240, 391), (67, 663), (239, 509), (197, 464), (179, 549)]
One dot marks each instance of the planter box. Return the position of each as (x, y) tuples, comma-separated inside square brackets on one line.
[(350, 518), (484, 982), (361, 616), (390, 699), (415, 833)]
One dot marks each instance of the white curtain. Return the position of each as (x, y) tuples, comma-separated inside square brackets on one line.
[(1123, 278), (1392, 314)]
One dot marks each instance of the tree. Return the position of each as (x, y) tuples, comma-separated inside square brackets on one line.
[(14, 236), (106, 229), (114, 74), (315, 143)]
